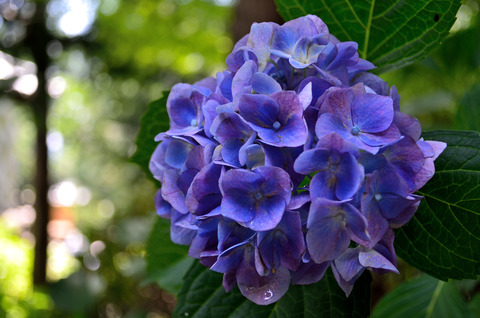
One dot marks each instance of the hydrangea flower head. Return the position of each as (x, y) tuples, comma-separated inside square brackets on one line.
[(293, 160)]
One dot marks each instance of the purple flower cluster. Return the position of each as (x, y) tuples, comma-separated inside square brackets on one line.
[(293, 160)]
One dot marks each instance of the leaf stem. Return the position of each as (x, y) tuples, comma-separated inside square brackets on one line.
[(433, 301), (367, 31)]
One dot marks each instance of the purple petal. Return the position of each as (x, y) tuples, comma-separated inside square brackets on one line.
[(228, 126), (345, 51), (327, 237), (383, 138), (349, 176), (309, 273), (259, 110), (176, 153), (242, 78), (320, 186), (305, 96), (273, 288), (328, 123), (229, 259), (377, 224), (259, 42), (348, 265), (373, 259), (163, 208), (264, 84), (408, 125), (238, 57), (319, 86), (372, 113), (268, 214), (238, 205), (171, 192), (338, 102), (252, 156), (334, 141)]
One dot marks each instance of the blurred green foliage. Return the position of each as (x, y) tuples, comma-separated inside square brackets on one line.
[(134, 51)]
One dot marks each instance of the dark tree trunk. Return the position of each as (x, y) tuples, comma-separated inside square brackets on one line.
[(36, 40), (249, 11)]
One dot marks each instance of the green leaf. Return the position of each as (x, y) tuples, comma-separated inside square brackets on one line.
[(390, 34), (468, 112), (474, 305), (153, 122), (203, 296), (443, 238), (423, 297), (167, 262)]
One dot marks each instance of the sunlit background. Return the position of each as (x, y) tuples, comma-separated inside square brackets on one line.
[(107, 60)]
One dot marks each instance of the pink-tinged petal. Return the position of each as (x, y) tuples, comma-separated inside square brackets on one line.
[(338, 102), (408, 125), (372, 113), (289, 105)]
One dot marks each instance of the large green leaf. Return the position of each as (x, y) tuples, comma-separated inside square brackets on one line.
[(390, 34), (167, 262), (424, 297), (153, 122), (443, 238), (203, 296)]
